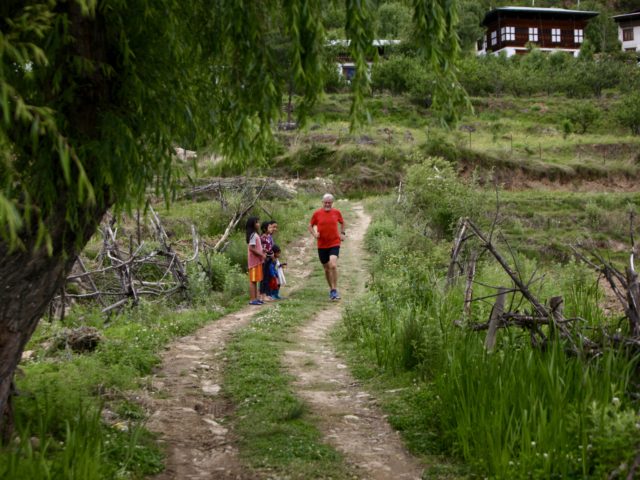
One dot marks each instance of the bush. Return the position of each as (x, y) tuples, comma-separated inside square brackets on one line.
[(215, 266), (628, 113), (236, 250), (538, 73), (583, 115), (397, 74), (333, 79), (435, 193)]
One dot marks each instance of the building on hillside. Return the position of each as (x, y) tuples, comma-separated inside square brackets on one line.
[(511, 29), (346, 66), (629, 31)]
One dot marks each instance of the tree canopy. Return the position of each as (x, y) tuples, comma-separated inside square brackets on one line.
[(110, 86), (96, 94)]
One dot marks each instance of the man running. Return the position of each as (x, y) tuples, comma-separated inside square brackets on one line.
[(324, 227)]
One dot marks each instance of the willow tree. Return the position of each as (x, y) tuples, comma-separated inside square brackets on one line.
[(95, 94)]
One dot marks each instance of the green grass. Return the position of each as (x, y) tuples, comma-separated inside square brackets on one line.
[(62, 395), (518, 412), (542, 223), (278, 435), (505, 134), (60, 431)]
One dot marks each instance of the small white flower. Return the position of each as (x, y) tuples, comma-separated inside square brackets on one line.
[(545, 455), (533, 444), (615, 401)]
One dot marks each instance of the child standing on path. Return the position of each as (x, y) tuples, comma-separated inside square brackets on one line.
[(267, 246), (255, 259), (278, 280)]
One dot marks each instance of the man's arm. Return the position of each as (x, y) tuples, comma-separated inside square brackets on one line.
[(313, 226)]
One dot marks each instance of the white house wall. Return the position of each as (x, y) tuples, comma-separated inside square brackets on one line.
[(635, 43), (511, 51)]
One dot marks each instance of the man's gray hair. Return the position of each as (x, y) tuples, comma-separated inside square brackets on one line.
[(327, 197)]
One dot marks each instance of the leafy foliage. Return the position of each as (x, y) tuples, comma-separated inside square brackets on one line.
[(583, 115), (628, 113), (511, 413), (111, 95), (436, 195)]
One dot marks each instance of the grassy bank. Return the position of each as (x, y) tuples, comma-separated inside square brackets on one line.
[(518, 412), (76, 414), (513, 140)]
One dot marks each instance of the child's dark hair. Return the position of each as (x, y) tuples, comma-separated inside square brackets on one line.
[(251, 227), (276, 249), (265, 225)]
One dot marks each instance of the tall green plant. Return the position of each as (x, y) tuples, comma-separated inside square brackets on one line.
[(435, 194)]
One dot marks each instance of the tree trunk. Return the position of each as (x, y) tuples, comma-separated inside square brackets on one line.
[(29, 279)]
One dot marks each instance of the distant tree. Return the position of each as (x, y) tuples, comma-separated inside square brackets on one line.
[(95, 94), (587, 50), (393, 20), (593, 77), (602, 32), (470, 29), (627, 112), (582, 115)]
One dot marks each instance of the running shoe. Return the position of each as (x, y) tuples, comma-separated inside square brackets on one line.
[(336, 295)]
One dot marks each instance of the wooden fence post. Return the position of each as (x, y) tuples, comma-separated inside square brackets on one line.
[(496, 313)]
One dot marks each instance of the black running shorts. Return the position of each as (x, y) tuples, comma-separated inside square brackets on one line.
[(325, 253)]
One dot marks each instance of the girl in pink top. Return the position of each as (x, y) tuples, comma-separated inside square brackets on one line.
[(255, 258)]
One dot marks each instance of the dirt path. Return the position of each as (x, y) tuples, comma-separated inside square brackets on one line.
[(184, 393), (350, 418), (188, 410)]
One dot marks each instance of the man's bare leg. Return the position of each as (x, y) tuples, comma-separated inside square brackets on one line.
[(333, 272), (327, 273)]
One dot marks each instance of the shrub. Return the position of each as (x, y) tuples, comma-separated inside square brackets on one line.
[(436, 194), (396, 74), (216, 267), (583, 115), (628, 113), (333, 79), (236, 250)]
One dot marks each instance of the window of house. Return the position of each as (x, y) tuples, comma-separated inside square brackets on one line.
[(627, 34), (533, 34), (494, 37), (508, 33), (578, 36), (555, 35)]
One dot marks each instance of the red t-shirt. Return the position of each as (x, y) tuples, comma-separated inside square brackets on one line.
[(327, 223)]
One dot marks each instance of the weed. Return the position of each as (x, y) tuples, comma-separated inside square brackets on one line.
[(516, 412)]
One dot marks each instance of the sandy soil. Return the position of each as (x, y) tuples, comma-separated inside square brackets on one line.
[(350, 417)]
